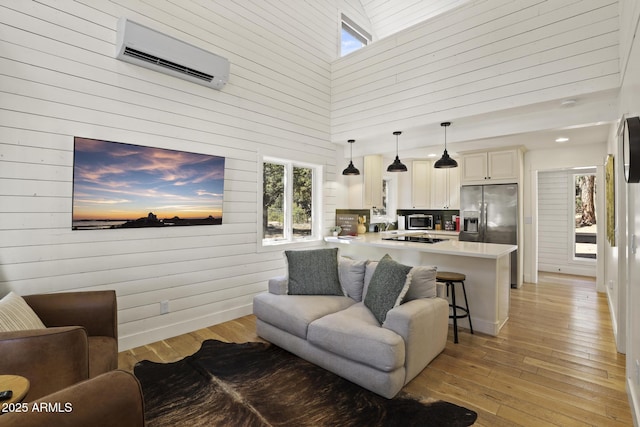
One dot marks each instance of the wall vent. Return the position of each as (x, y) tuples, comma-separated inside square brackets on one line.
[(148, 48)]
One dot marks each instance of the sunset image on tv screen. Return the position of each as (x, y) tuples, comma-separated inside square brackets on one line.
[(118, 185)]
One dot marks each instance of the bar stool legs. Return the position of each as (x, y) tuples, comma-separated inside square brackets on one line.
[(457, 312)]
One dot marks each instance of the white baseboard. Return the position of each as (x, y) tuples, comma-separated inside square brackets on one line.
[(481, 325), (569, 269), (159, 334)]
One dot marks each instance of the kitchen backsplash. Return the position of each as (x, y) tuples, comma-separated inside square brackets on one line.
[(439, 216)]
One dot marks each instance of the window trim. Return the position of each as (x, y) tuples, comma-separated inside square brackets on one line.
[(572, 227), (354, 30), (317, 173)]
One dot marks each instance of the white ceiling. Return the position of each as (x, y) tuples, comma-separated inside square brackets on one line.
[(388, 17), (587, 121)]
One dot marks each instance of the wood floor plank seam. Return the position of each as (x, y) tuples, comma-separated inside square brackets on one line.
[(554, 363)]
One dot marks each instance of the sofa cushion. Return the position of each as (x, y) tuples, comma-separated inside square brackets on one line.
[(422, 283), (16, 315), (314, 272), (368, 274), (351, 274), (354, 333), (388, 286), (294, 313)]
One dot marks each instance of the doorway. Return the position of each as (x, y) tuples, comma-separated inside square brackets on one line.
[(566, 243)]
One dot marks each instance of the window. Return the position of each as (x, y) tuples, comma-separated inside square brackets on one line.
[(352, 37), (585, 233), (290, 202)]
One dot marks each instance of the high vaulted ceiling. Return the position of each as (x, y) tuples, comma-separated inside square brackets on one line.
[(584, 114), (391, 16)]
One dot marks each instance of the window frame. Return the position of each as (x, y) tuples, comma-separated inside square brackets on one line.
[(580, 171), (316, 209), (355, 31)]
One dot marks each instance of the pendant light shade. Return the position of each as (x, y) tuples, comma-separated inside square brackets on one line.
[(445, 161), (351, 169), (397, 165)]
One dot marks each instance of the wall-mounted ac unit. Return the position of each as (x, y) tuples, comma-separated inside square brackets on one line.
[(148, 48)]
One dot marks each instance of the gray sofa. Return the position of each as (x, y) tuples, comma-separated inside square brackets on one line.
[(341, 334)]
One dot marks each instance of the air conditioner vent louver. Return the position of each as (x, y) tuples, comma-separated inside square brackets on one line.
[(167, 64), (160, 52)]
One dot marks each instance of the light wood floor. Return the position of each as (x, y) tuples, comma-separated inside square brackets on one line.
[(553, 364)]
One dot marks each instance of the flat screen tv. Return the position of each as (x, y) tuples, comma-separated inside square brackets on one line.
[(118, 186)]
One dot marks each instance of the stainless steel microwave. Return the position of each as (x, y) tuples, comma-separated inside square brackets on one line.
[(420, 222)]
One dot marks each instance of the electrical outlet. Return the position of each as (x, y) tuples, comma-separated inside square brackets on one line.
[(164, 307), (637, 372), (610, 284)]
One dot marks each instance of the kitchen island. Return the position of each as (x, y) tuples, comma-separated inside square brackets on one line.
[(486, 265)]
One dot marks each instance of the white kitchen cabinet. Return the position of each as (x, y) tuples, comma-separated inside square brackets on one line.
[(420, 187), (501, 166), (372, 181), (445, 188)]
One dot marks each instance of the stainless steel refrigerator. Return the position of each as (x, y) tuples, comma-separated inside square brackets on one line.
[(489, 213)]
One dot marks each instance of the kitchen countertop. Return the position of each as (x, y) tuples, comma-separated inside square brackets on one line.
[(447, 247)]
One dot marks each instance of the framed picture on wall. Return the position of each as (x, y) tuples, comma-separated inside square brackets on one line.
[(117, 185), (610, 195)]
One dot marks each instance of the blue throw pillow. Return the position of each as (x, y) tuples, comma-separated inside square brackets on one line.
[(387, 288), (314, 272)]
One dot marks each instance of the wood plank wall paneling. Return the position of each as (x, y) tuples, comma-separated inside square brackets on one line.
[(59, 80), (481, 57), (386, 17)]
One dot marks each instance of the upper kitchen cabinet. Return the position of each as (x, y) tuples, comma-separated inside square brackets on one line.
[(372, 181), (501, 166), (420, 187), (445, 188), (434, 188)]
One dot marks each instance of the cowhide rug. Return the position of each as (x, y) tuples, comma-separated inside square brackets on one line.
[(257, 384)]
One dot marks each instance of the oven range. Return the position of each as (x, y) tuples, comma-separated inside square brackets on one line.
[(420, 238)]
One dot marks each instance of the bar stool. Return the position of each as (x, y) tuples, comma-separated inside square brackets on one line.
[(451, 278)]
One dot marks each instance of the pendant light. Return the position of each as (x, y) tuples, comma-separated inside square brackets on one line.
[(397, 165), (351, 169), (445, 161)]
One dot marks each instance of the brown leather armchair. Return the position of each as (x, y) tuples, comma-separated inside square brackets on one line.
[(80, 342), (113, 399)]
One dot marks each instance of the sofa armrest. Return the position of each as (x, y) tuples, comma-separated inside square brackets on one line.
[(51, 359), (423, 324), (113, 399), (96, 311), (279, 285)]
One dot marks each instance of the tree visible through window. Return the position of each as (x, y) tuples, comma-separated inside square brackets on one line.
[(585, 216), (302, 201), (273, 200), (287, 202)]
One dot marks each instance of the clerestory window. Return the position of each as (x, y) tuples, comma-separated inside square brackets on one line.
[(352, 36)]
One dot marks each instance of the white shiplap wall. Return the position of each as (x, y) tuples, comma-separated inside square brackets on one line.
[(553, 220), (482, 57), (59, 79), (389, 17)]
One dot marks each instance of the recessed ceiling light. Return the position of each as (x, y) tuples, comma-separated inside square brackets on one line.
[(562, 139), (432, 155)]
